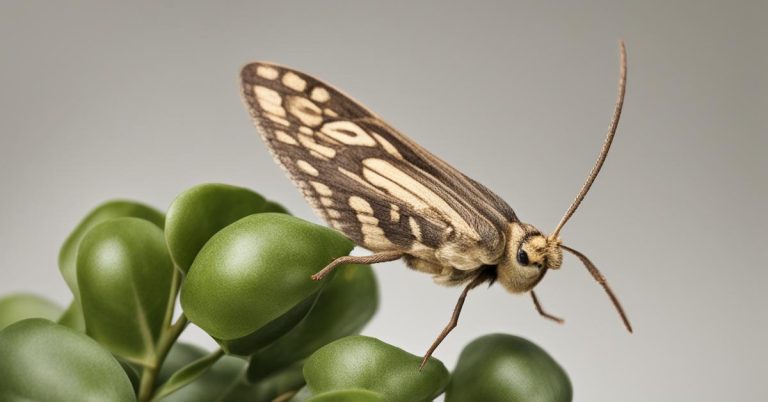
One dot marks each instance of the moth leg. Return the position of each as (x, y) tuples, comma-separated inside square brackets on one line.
[(541, 310), (454, 318), (349, 259)]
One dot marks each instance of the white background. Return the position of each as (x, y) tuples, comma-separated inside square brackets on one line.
[(101, 101)]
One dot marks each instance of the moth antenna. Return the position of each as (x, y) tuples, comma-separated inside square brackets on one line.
[(603, 282), (606, 144)]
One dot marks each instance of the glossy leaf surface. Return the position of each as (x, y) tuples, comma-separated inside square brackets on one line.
[(125, 275), (507, 368), (361, 362), (43, 361), (255, 270)]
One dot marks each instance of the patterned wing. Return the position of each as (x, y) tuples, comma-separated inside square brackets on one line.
[(368, 181)]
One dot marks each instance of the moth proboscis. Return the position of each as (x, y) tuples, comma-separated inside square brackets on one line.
[(396, 199)]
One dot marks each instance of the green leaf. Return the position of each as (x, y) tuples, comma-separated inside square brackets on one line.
[(103, 212), (125, 276), (188, 373), (73, 316), (212, 384), (255, 270), (343, 308), (200, 212), (43, 361), (68, 252), (368, 363), (508, 368), (20, 306), (278, 385), (349, 395)]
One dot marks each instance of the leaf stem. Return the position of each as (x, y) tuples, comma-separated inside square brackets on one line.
[(172, 296), (149, 374)]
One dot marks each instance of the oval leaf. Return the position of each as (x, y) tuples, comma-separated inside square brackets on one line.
[(502, 367), (125, 275), (255, 270), (102, 213), (343, 308), (200, 212), (43, 361), (368, 363), (20, 306)]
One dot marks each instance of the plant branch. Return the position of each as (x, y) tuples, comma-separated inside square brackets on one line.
[(149, 374)]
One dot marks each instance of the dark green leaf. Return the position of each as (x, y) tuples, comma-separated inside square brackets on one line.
[(20, 306), (256, 270), (507, 368), (368, 363), (43, 361), (125, 276), (343, 308)]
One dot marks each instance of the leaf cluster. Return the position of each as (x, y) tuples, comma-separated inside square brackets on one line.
[(239, 266)]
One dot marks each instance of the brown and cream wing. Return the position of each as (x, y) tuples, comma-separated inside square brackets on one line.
[(365, 179)]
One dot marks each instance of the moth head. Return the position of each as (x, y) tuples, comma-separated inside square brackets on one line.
[(528, 256)]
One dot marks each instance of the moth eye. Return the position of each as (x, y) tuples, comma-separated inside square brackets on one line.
[(522, 257)]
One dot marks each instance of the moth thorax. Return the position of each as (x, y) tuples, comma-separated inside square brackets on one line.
[(529, 254)]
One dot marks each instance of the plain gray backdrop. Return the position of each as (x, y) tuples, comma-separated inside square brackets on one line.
[(106, 100)]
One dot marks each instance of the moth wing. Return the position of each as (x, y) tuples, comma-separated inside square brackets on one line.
[(367, 180)]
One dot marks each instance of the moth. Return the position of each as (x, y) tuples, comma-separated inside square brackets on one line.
[(396, 199)]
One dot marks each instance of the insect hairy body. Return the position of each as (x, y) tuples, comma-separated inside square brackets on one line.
[(393, 197)]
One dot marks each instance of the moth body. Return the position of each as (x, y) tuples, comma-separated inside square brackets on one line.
[(393, 197), (526, 257)]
